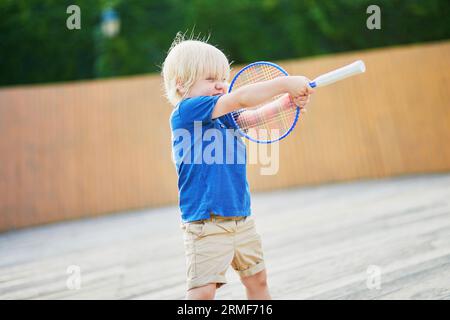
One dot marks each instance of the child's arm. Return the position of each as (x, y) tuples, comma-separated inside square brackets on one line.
[(257, 93), (270, 110), (250, 118)]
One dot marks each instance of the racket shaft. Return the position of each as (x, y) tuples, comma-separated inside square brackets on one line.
[(339, 74)]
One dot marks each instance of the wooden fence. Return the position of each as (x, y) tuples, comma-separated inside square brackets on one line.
[(96, 147)]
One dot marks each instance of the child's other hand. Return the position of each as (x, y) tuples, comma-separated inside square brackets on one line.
[(302, 102)]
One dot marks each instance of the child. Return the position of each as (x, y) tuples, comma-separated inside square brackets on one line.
[(214, 197)]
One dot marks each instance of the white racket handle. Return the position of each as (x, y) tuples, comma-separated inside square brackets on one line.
[(338, 74)]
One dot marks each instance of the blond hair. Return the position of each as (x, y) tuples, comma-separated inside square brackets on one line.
[(188, 61)]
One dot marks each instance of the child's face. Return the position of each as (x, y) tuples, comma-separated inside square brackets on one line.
[(208, 86)]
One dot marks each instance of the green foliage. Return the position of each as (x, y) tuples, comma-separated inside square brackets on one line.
[(37, 47)]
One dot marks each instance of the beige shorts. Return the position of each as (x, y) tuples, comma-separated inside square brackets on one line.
[(214, 244)]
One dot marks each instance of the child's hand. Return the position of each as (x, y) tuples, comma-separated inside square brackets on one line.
[(298, 86), (299, 89)]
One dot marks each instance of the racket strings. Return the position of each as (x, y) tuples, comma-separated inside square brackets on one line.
[(280, 121), (280, 114), (256, 74), (269, 128), (276, 119)]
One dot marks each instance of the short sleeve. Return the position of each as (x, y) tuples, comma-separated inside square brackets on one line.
[(227, 120), (197, 108)]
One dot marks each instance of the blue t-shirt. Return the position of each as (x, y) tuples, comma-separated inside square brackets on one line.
[(210, 160)]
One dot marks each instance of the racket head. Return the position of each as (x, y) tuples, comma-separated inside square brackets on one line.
[(280, 115)]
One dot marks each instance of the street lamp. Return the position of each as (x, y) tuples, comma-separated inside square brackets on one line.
[(110, 23)]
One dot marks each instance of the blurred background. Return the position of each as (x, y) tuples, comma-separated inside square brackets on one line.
[(84, 125), (84, 133), (38, 47)]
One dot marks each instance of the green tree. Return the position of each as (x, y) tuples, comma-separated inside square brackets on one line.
[(37, 47)]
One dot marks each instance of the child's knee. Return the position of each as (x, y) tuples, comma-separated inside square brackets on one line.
[(258, 280)]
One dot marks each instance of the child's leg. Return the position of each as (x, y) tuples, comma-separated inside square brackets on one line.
[(209, 252), (256, 286), (202, 293), (248, 260)]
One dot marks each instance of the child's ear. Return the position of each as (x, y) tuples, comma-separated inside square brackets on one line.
[(180, 87)]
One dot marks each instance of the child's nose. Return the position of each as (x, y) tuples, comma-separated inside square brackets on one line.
[(220, 85)]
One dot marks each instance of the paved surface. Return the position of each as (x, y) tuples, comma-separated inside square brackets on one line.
[(379, 239)]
